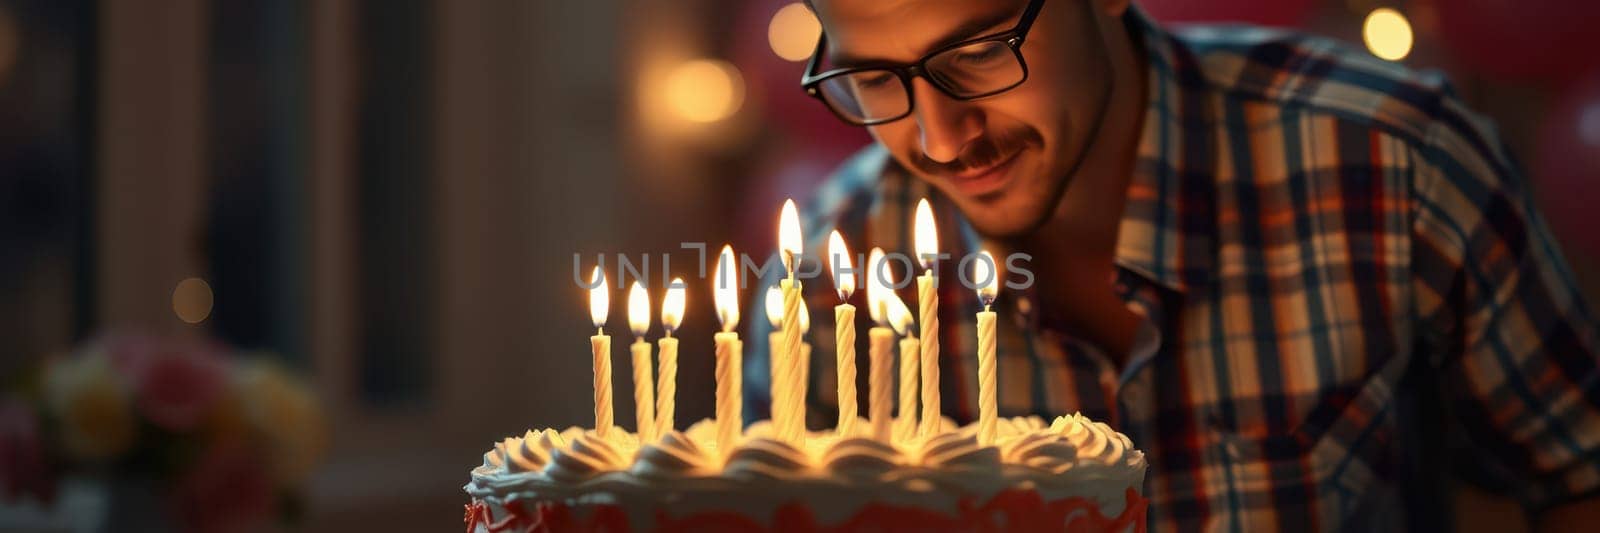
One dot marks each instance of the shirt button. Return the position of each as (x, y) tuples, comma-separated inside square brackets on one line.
[(1024, 305), (1233, 450)]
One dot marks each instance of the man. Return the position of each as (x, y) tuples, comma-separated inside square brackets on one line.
[(1296, 275)]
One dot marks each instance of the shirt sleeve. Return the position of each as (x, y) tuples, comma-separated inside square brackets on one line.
[(1508, 329)]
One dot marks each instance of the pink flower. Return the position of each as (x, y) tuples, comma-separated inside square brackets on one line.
[(228, 489), (22, 464), (179, 385)]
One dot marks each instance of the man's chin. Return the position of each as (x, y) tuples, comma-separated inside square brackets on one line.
[(1002, 215)]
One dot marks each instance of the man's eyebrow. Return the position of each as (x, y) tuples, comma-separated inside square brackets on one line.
[(975, 27)]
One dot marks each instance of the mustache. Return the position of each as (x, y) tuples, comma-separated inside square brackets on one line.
[(981, 153)]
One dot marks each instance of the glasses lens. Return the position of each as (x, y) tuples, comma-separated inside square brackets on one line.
[(977, 69), (866, 96)]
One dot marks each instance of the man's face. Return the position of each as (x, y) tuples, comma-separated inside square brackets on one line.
[(1003, 159)]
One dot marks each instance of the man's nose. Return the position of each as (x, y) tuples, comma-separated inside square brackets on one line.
[(946, 125)]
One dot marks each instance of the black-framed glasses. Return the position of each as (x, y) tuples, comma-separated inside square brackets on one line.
[(872, 94)]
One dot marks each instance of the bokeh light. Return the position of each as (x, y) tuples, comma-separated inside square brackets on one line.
[(793, 32), (705, 90), (192, 300), (1589, 125), (10, 39), (1387, 34)]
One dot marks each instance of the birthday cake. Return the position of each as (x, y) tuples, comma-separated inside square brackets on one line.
[(917, 472), (1071, 474)]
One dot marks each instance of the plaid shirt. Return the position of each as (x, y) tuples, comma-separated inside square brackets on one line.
[(1348, 278)]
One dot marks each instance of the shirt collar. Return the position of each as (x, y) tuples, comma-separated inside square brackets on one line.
[(1168, 223)]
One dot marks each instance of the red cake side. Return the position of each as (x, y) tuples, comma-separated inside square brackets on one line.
[(1012, 510)]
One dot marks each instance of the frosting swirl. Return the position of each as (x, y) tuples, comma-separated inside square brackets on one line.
[(1095, 441), (860, 458), (675, 455), (1070, 456), (765, 457), (531, 452), (587, 456), (958, 449), (493, 460), (1047, 452)]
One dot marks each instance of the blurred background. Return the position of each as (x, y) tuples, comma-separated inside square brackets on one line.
[(381, 201)]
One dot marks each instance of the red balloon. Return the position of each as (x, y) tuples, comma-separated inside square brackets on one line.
[(1289, 13), (1567, 168), (1552, 39)]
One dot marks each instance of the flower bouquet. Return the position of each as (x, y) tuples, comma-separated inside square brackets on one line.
[(198, 437)]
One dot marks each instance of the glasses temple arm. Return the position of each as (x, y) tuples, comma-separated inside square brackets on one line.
[(1028, 14)]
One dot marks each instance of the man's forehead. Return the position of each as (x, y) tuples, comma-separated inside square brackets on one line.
[(902, 30)]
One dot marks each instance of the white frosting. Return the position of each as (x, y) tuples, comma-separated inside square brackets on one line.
[(683, 472)]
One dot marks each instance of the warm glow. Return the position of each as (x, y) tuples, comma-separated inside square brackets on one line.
[(805, 317), (192, 300), (638, 310), (672, 306), (839, 260), (793, 32), (875, 288), (10, 45), (1589, 125), (705, 90), (599, 299), (899, 315), (775, 307), (725, 289), (883, 305), (789, 235), (927, 236), (1387, 33), (983, 274)]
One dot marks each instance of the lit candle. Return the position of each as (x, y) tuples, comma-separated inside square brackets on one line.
[(643, 384), (899, 317), (729, 352), (803, 384), (927, 243), (776, 357), (600, 345), (983, 273), (880, 384), (789, 241), (667, 388), (844, 332)]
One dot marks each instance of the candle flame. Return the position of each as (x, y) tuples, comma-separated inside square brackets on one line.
[(775, 307), (875, 287), (899, 316), (599, 299), (725, 291), (789, 235), (839, 260), (885, 307), (927, 235), (638, 310), (983, 274), (672, 306)]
